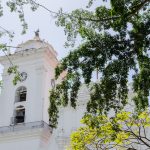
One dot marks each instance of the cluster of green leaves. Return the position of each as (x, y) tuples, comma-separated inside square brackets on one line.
[(59, 96), (124, 131), (12, 69), (17, 6), (115, 41)]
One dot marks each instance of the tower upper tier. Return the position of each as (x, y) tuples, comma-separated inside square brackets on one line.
[(35, 43)]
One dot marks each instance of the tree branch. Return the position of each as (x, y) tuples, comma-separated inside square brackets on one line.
[(137, 8), (129, 14), (8, 32)]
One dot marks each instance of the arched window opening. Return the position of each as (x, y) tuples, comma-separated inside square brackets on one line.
[(20, 114), (21, 94)]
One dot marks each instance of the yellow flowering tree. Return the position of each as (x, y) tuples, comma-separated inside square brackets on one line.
[(125, 131)]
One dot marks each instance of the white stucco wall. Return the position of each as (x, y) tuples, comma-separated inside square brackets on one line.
[(39, 64)]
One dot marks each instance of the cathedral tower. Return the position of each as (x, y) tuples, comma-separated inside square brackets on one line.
[(24, 108)]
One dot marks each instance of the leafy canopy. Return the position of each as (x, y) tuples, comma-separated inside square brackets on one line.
[(115, 42), (126, 130)]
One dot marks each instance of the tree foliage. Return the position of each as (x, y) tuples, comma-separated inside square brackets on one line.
[(124, 131), (17, 6), (115, 41)]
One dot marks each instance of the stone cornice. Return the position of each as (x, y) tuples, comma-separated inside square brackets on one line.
[(27, 130), (27, 53)]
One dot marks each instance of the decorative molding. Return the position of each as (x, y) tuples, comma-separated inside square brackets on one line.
[(25, 130)]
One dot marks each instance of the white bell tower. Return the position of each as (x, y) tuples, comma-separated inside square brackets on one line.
[(24, 108)]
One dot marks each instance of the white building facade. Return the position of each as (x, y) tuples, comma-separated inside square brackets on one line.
[(24, 120)]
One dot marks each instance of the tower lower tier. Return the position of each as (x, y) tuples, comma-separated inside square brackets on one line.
[(25, 136)]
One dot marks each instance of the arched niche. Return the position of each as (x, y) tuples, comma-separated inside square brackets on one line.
[(21, 94), (19, 114)]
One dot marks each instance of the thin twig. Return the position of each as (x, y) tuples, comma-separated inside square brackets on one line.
[(8, 58)]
